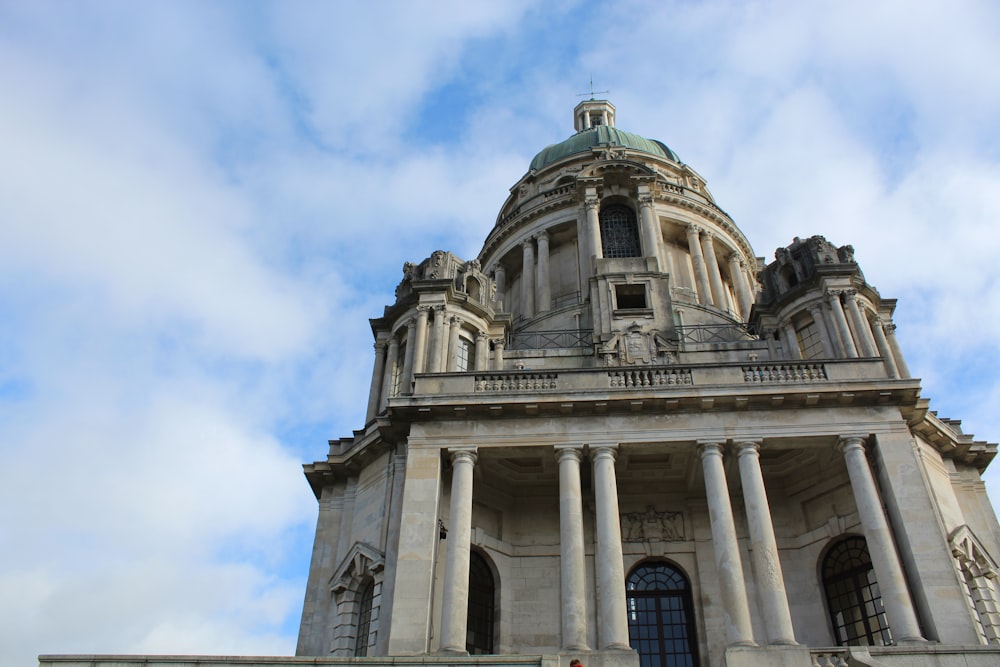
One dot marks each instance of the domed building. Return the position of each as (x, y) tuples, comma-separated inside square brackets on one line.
[(618, 435)]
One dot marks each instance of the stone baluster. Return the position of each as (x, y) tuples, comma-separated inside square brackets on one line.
[(897, 354), (543, 301), (420, 341), (612, 614), (739, 631), (702, 285), (884, 350), (840, 321), (451, 353), (455, 599), (719, 297), (390, 367), (862, 334), (816, 310), (881, 548), (377, 372), (572, 554), (528, 279), (768, 578)]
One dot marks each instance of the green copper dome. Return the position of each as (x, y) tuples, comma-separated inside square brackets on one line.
[(602, 135)]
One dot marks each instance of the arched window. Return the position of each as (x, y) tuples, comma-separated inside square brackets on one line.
[(364, 619), (661, 616), (852, 595), (619, 232), (482, 592)]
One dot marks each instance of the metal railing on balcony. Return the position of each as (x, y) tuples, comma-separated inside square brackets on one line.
[(551, 340), (716, 333)]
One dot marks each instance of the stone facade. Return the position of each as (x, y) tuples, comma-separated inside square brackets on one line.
[(617, 433), (618, 388)]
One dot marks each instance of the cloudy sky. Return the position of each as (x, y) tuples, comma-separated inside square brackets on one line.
[(202, 203)]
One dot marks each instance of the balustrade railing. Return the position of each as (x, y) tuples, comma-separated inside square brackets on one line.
[(501, 382), (630, 378), (805, 372), (829, 657)]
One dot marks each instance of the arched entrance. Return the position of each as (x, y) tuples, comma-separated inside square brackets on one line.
[(661, 616)]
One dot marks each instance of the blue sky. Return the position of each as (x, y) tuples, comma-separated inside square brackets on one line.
[(201, 204)]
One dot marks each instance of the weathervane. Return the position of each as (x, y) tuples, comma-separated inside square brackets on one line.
[(592, 93)]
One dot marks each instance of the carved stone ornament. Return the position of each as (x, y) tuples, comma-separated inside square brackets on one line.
[(635, 347), (651, 526)]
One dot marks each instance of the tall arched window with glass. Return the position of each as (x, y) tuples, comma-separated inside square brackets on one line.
[(853, 596), (661, 625), (364, 619), (619, 232)]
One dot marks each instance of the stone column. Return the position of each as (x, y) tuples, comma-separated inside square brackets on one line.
[(739, 631), (791, 341), (498, 354), (862, 334), (840, 321), (572, 554), (455, 599), (482, 351), (764, 548), (377, 372), (897, 354), (593, 205), (500, 280), (740, 283), (881, 548), (611, 613), (434, 364), (816, 310), (651, 235), (714, 275), (543, 302), (419, 341), (451, 353), (884, 350), (698, 261), (528, 279), (406, 384), (390, 368)]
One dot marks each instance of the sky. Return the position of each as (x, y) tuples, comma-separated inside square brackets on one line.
[(202, 203)]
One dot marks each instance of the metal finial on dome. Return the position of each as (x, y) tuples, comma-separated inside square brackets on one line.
[(592, 93)]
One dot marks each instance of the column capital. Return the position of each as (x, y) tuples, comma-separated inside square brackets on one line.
[(708, 448), (734, 256), (833, 294), (464, 455), (528, 242), (890, 327), (851, 442), (422, 309), (693, 229), (850, 294), (645, 201), (748, 447), (569, 452), (541, 236), (482, 336), (604, 450), (439, 307), (454, 320), (591, 202), (497, 341)]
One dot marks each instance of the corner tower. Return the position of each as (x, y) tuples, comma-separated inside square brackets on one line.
[(616, 411)]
